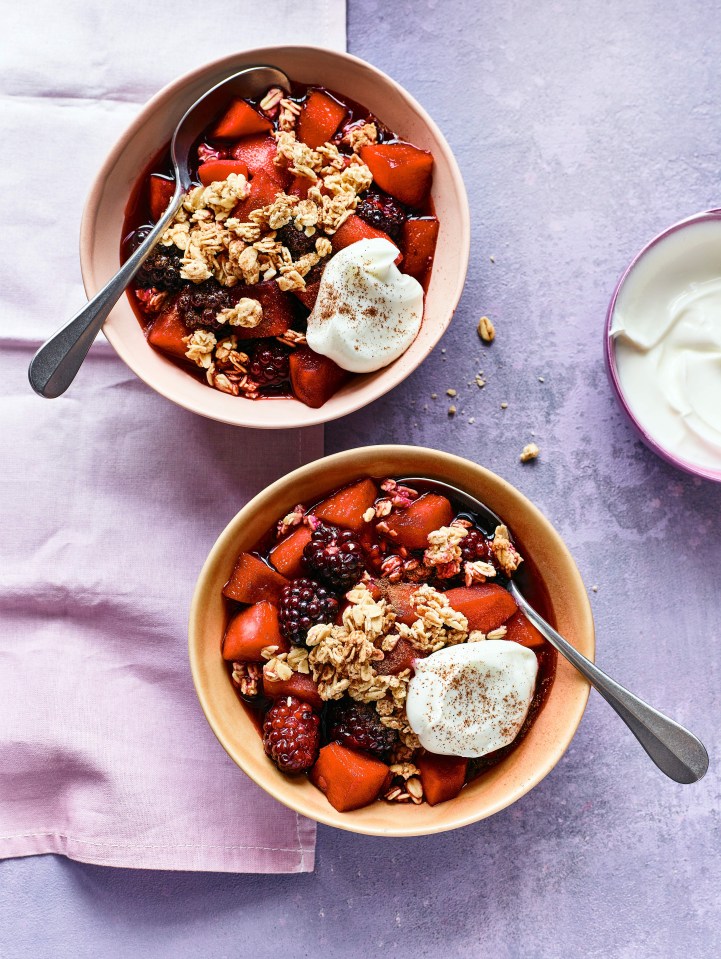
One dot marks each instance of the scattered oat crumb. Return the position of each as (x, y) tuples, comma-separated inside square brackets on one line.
[(425, 407), (443, 350), (486, 330), (451, 392), (492, 258), (471, 419), (434, 396), (480, 382), (594, 588), (369, 514), (541, 379), (504, 405), (452, 411), (529, 452)]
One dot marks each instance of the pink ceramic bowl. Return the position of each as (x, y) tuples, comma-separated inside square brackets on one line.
[(103, 218), (609, 347)]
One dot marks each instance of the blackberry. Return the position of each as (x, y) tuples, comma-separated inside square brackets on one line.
[(335, 556), (199, 304), (382, 212), (358, 726), (476, 547), (303, 603), (291, 735), (270, 364), (296, 240), (161, 271)]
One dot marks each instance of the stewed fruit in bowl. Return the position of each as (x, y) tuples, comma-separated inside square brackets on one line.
[(371, 637), (301, 256)]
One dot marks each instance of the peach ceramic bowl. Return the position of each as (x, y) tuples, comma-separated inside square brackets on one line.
[(568, 608), (103, 219)]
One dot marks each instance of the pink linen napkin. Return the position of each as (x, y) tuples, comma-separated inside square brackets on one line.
[(112, 496)]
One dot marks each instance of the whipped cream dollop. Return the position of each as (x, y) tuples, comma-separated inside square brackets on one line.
[(471, 699), (666, 327), (367, 313)]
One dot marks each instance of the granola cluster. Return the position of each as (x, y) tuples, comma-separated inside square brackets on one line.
[(216, 244)]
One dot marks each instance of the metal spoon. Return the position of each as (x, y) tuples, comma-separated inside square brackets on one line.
[(675, 750), (56, 363)]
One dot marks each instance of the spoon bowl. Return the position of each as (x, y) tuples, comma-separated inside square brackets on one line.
[(676, 751), (55, 365)]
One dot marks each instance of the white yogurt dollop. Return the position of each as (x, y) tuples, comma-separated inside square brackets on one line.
[(367, 313), (667, 330), (471, 699)]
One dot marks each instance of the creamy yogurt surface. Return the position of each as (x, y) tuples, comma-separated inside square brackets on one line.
[(666, 327), (367, 313), (471, 699)]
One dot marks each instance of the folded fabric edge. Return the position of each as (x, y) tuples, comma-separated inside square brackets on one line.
[(187, 857)]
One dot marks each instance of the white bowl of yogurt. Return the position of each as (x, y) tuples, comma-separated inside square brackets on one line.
[(663, 344)]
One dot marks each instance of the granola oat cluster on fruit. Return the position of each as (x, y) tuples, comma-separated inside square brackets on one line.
[(374, 638), (301, 256)]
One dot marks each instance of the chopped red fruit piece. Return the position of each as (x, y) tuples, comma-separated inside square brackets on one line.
[(251, 631), (320, 117), (287, 556), (299, 186), (346, 507), (241, 120), (521, 630), (353, 230), (413, 524), (291, 735), (300, 685), (161, 189), (264, 187), (277, 311), (309, 295), (252, 581), (258, 153), (486, 606), (442, 777), (401, 657), (398, 596), (349, 779), (168, 331), (220, 170), (314, 378), (400, 169), (419, 245)]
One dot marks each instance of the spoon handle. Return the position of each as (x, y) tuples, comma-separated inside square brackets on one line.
[(675, 750), (56, 363)]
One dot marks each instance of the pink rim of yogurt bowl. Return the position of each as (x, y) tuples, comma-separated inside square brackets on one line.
[(610, 356)]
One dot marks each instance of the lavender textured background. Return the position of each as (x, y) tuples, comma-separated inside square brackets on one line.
[(581, 131)]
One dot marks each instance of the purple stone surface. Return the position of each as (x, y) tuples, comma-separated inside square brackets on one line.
[(581, 131)]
